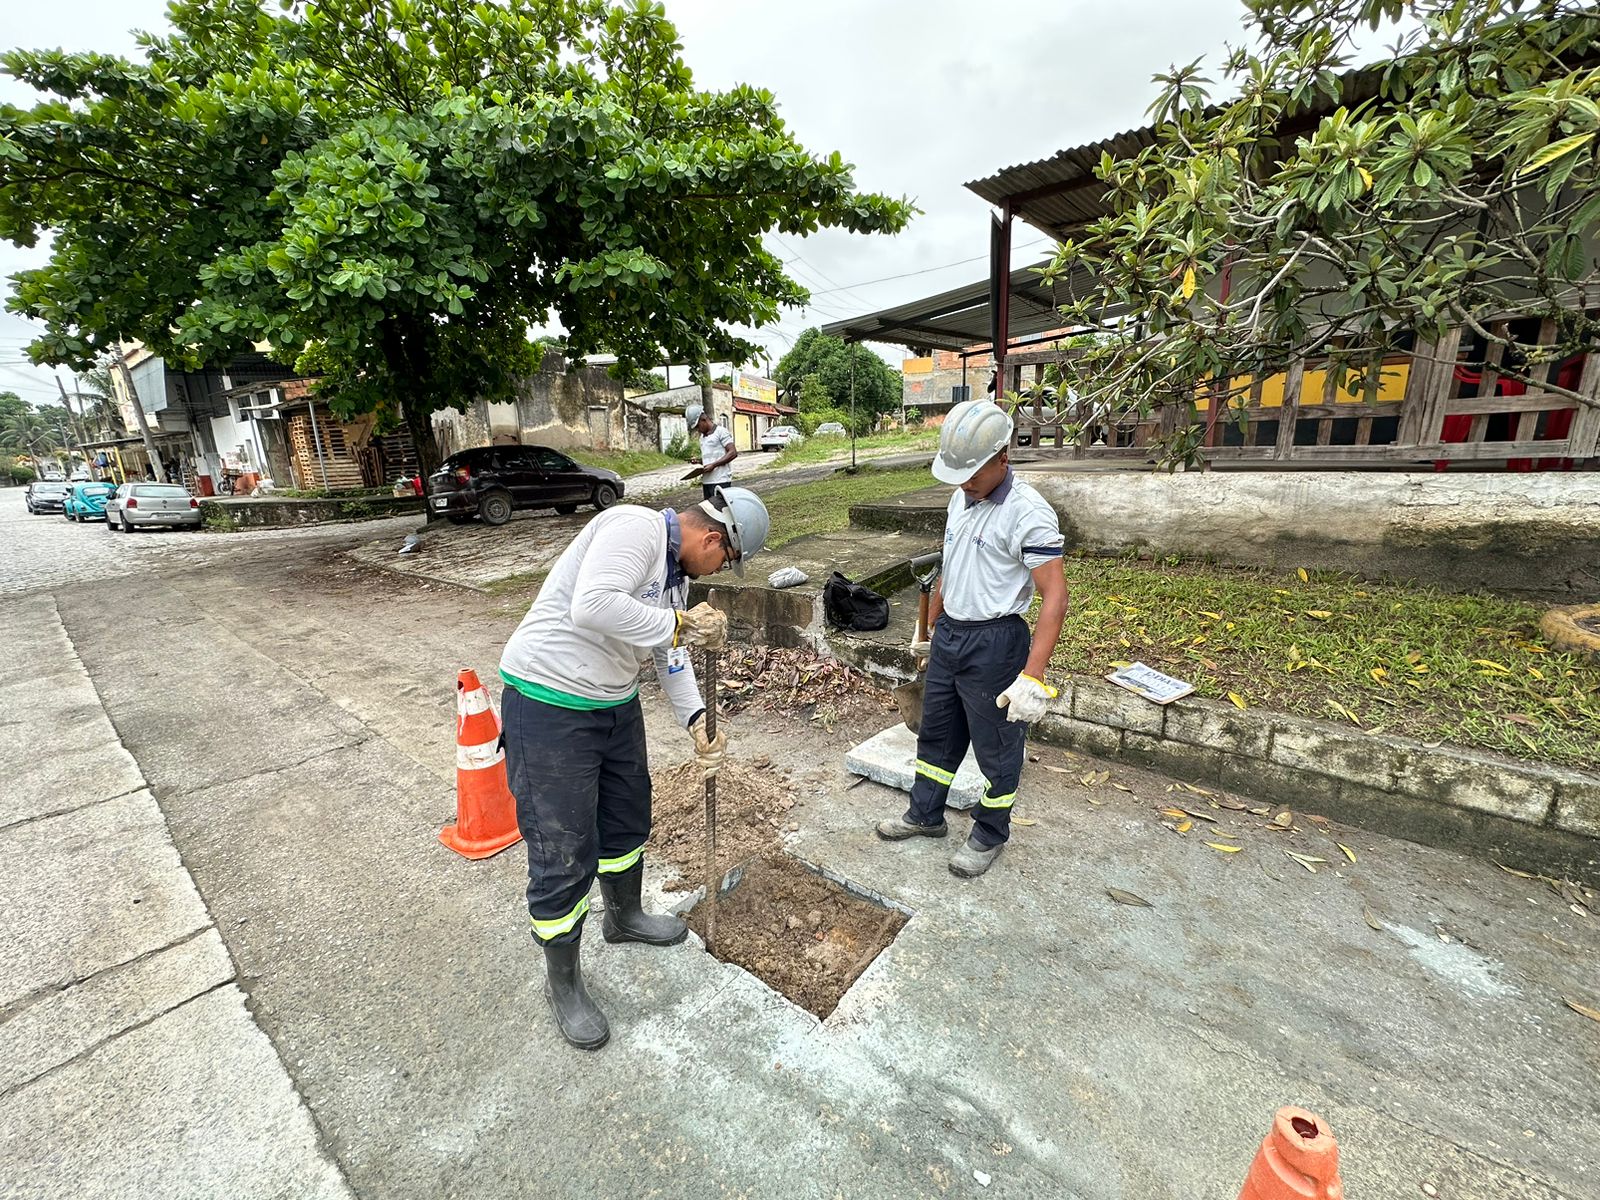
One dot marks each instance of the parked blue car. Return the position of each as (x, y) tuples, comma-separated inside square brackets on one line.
[(87, 501)]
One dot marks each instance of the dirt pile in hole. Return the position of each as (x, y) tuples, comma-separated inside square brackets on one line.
[(753, 805), (798, 932)]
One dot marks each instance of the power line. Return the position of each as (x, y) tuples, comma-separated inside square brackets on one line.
[(929, 270)]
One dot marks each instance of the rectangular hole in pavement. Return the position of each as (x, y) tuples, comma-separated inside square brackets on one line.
[(802, 931)]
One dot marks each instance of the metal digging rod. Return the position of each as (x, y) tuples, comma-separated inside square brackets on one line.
[(708, 669)]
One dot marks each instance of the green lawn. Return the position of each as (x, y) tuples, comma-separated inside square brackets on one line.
[(822, 449), (824, 506), (626, 462), (1473, 670)]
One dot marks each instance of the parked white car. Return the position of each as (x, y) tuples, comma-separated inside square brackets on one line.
[(829, 429), (780, 436), (137, 505)]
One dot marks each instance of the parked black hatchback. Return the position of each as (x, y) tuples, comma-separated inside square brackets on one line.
[(491, 482)]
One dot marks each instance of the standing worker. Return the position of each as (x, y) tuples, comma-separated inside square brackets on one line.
[(986, 679), (717, 450), (574, 731)]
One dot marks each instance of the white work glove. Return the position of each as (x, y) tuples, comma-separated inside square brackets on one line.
[(922, 651), (708, 752), (1026, 699), (702, 625)]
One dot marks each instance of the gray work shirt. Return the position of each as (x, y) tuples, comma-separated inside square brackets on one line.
[(712, 447), (991, 549)]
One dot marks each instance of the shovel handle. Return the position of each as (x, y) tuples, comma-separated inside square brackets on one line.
[(708, 669)]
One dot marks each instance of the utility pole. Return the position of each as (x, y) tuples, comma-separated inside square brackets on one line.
[(77, 426), (144, 425), (852, 350)]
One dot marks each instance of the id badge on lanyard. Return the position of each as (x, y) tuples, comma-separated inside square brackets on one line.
[(677, 659)]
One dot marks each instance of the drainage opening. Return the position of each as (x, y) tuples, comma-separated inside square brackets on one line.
[(1306, 1129), (799, 931)]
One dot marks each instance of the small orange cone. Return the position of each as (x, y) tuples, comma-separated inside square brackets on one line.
[(1298, 1160), (486, 813)]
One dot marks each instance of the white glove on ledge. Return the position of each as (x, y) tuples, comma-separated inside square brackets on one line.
[(1027, 699)]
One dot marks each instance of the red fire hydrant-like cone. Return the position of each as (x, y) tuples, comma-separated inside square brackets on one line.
[(1298, 1160)]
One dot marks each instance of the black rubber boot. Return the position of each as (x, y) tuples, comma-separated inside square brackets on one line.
[(577, 1016), (625, 918)]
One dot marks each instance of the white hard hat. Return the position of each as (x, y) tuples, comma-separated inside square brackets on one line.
[(692, 415), (746, 519), (973, 433)]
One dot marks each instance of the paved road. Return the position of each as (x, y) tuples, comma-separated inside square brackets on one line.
[(48, 551), (291, 714)]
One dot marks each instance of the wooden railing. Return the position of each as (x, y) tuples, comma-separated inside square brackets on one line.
[(1421, 407)]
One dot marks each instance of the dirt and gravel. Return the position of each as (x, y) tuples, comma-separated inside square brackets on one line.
[(754, 803), (798, 932)]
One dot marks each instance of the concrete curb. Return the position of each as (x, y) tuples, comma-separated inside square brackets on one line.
[(258, 512), (1545, 816)]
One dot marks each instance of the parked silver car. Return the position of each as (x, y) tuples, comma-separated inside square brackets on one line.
[(135, 505)]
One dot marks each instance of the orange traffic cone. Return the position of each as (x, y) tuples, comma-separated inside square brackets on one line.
[(486, 813), (1298, 1160)]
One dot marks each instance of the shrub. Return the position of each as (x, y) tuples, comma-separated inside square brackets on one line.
[(21, 474)]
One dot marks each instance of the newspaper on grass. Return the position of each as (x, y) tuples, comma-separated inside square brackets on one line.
[(1150, 683)]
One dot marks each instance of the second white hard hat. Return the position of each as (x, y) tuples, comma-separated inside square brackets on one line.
[(973, 433)]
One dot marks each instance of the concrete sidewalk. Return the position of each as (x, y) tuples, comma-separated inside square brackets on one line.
[(129, 1063), (1023, 1026)]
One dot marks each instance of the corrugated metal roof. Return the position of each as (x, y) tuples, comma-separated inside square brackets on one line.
[(959, 319), (1060, 194)]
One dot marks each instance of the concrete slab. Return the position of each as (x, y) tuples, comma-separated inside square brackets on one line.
[(890, 758), (212, 1114), (34, 640), (89, 890), (68, 775), (61, 1024)]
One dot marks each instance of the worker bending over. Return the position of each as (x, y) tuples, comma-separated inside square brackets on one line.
[(986, 678), (574, 732)]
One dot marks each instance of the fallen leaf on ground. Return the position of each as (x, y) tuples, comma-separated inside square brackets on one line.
[(1348, 853), (1238, 700), (1057, 770), (1306, 860), (1225, 849), (1198, 791), (1513, 870), (1185, 825), (1261, 811), (1372, 921), (1284, 819), (1586, 1010), (1321, 614), (1128, 898), (1121, 787), (1023, 821), (1343, 711), (1304, 578), (1230, 802)]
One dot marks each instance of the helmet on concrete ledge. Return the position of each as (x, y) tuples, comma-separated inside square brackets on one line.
[(973, 433), (744, 515)]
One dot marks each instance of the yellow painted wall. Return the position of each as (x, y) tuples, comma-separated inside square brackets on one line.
[(1391, 388)]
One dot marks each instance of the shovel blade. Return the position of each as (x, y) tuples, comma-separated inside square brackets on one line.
[(908, 699)]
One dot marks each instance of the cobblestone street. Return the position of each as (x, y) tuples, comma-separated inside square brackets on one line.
[(49, 551)]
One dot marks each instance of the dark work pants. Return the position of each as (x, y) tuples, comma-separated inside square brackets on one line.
[(583, 802), (971, 663), (708, 491)]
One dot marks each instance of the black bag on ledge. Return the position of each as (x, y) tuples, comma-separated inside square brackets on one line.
[(853, 608)]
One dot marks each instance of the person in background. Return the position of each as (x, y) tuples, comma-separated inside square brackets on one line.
[(717, 450)]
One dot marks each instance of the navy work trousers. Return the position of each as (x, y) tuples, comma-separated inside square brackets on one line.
[(971, 663), (582, 786)]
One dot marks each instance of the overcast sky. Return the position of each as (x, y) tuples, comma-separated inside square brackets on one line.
[(921, 95)]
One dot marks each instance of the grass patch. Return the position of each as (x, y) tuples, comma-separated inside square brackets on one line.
[(824, 506), (625, 462), (523, 583), (1473, 670), (289, 493), (824, 449)]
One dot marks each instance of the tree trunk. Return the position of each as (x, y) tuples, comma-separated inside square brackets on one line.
[(419, 423)]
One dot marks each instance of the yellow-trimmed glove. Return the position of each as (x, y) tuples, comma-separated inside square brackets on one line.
[(701, 625), (1026, 699), (708, 752)]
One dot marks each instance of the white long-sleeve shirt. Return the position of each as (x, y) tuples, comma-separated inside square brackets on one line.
[(605, 603)]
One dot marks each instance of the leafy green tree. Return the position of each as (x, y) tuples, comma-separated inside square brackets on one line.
[(1450, 184), (829, 360), (397, 190), (27, 432)]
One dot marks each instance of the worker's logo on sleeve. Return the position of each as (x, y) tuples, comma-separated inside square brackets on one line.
[(653, 592)]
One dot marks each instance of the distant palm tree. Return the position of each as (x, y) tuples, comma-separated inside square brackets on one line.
[(31, 432)]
